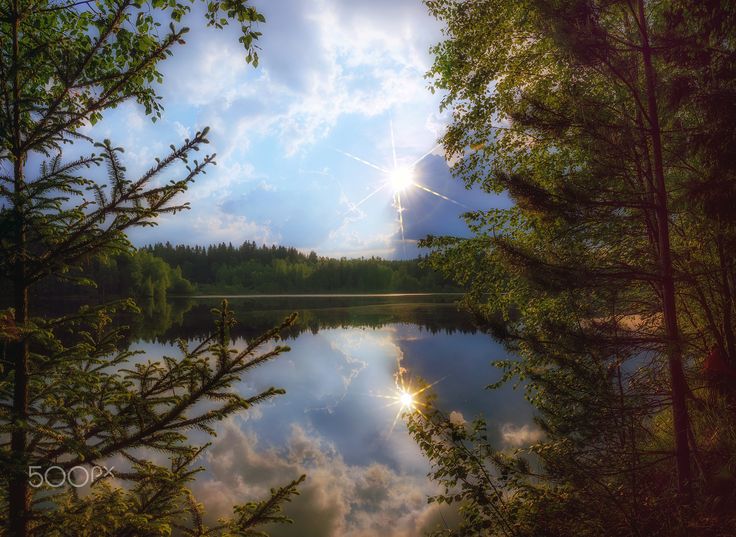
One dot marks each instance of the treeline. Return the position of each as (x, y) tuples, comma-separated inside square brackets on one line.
[(154, 272), (275, 269), (139, 274), (187, 318)]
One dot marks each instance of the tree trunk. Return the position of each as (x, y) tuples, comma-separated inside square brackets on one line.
[(18, 497), (669, 307), (728, 334), (18, 490)]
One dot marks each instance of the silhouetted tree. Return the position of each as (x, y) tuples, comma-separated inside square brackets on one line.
[(607, 275)]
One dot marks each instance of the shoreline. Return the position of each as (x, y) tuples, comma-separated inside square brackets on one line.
[(316, 295)]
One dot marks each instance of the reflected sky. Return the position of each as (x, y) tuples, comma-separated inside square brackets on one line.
[(364, 478)]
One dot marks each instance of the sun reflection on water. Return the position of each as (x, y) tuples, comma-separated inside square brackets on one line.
[(405, 397)]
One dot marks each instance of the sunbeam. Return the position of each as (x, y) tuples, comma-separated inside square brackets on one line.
[(362, 161), (369, 196), (400, 179), (420, 159), (440, 195), (400, 210)]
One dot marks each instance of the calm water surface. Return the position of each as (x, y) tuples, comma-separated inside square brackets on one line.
[(365, 475)]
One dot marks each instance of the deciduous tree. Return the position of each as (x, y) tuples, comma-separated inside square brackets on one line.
[(596, 118)]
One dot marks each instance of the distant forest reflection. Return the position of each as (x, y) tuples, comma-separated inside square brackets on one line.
[(191, 318)]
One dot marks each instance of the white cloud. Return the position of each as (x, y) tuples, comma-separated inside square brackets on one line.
[(337, 500), (370, 65), (457, 418), (210, 69), (197, 228), (318, 63), (331, 73), (515, 436), (348, 369), (220, 180), (135, 119), (182, 130), (223, 227)]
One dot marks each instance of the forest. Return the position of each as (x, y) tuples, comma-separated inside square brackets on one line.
[(155, 272), (612, 277), (278, 269)]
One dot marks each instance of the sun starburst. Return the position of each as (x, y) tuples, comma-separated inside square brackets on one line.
[(405, 397), (407, 401), (400, 179)]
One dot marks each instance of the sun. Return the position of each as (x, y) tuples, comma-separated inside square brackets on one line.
[(406, 399), (401, 178)]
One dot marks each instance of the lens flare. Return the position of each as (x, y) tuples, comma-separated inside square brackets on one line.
[(401, 179), (406, 400), (406, 397)]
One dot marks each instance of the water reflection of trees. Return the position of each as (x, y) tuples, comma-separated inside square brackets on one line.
[(165, 321), (192, 319)]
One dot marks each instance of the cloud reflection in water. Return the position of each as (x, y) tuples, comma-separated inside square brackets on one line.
[(363, 478)]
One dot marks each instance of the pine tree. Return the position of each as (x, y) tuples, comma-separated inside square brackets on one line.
[(69, 394)]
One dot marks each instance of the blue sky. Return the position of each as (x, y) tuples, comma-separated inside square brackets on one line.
[(334, 76)]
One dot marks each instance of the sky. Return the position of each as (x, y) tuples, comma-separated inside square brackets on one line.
[(338, 80)]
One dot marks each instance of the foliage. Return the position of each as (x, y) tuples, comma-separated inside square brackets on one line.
[(462, 463), (223, 267), (154, 272), (137, 274), (608, 277), (69, 393), (106, 404)]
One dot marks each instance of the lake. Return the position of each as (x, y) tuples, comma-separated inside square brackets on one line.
[(365, 475)]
